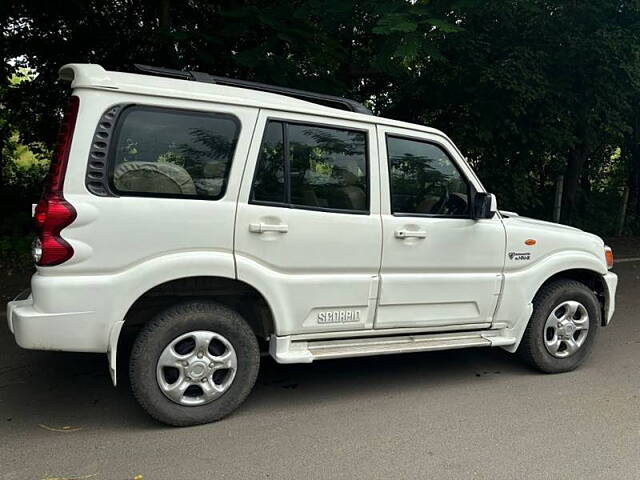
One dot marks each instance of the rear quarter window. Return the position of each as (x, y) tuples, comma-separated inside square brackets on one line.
[(172, 153)]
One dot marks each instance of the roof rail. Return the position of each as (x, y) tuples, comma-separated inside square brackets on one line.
[(326, 100)]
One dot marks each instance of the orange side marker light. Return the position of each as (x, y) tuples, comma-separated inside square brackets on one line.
[(608, 255)]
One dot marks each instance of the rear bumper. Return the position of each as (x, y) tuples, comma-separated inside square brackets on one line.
[(60, 313), (49, 331), (610, 284), (22, 299)]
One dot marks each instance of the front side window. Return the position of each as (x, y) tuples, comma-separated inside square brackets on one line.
[(424, 180), (172, 153), (312, 166)]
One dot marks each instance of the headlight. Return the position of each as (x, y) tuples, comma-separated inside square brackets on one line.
[(608, 255)]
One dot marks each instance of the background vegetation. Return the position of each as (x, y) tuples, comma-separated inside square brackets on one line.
[(529, 90)]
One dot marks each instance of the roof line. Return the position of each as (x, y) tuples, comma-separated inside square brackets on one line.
[(319, 98)]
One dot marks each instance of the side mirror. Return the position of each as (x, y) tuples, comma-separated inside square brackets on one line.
[(484, 205)]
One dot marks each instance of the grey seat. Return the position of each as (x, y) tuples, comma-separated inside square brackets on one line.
[(354, 196)]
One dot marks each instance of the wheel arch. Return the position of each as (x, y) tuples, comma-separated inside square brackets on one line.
[(590, 278), (520, 288), (233, 293), (247, 300)]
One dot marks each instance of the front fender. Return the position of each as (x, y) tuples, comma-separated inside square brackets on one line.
[(520, 286)]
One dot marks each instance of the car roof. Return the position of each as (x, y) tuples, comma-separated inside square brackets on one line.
[(93, 76)]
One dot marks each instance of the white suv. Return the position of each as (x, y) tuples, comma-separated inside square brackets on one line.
[(209, 216)]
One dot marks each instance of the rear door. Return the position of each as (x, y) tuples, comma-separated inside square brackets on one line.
[(308, 230), (440, 267)]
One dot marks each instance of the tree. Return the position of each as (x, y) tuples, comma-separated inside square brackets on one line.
[(529, 90)]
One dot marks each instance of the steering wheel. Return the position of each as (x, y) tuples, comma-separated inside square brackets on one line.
[(441, 204)]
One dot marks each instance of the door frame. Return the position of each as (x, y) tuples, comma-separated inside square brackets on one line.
[(273, 283), (444, 143)]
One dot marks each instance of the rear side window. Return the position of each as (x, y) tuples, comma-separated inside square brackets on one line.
[(269, 181), (172, 153), (311, 166)]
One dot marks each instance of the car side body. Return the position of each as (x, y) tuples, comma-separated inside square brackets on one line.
[(353, 272)]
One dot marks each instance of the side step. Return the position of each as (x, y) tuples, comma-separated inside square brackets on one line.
[(288, 350)]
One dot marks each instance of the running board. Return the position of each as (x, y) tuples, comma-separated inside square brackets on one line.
[(288, 350)]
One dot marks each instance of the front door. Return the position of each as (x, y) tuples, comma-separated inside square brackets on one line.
[(440, 268), (308, 230)]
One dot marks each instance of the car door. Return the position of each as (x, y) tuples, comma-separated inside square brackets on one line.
[(440, 268), (308, 229)]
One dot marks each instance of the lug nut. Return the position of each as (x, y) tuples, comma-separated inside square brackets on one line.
[(185, 363), (200, 354), (188, 379), (211, 365), (204, 380)]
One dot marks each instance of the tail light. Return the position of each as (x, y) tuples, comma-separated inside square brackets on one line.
[(53, 212), (608, 255)]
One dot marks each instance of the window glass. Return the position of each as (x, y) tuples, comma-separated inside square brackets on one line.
[(268, 185), (171, 153), (328, 167), (424, 180)]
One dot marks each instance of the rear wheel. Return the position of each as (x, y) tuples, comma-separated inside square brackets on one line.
[(563, 327), (194, 363)]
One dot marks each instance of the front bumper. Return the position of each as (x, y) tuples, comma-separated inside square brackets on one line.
[(610, 284)]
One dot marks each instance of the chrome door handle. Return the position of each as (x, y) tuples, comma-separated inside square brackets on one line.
[(410, 234), (265, 227)]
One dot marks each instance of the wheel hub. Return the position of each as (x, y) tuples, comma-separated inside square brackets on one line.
[(196, 368), (566, 329)]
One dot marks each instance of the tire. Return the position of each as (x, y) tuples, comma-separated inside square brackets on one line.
[(196, 321), (538, 341)]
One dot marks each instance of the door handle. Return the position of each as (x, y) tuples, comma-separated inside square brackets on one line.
[(265, 227), (410, 234)]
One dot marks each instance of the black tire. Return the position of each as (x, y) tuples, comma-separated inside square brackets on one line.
[(532, 348), (167, 326)]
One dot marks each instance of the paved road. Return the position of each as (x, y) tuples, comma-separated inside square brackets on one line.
[(459, 414)]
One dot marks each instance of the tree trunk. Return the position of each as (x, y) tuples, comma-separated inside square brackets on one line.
[(575, 163), (164, 24)]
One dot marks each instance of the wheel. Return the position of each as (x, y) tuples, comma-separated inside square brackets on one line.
[(194, 363), (563, 327)]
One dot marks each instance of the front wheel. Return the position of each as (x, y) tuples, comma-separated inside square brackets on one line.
[(563, 327), (194, 363)]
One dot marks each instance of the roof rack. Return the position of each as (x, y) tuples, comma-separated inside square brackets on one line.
[(326, 100)]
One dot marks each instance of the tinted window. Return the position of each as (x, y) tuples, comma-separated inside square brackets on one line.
[(172, 153), (326, 167), (268, 185), (424, 180)]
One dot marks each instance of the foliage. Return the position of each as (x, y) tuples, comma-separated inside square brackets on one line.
[(528, 90)]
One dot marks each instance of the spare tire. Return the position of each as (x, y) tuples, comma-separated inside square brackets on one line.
[(153, 177)]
